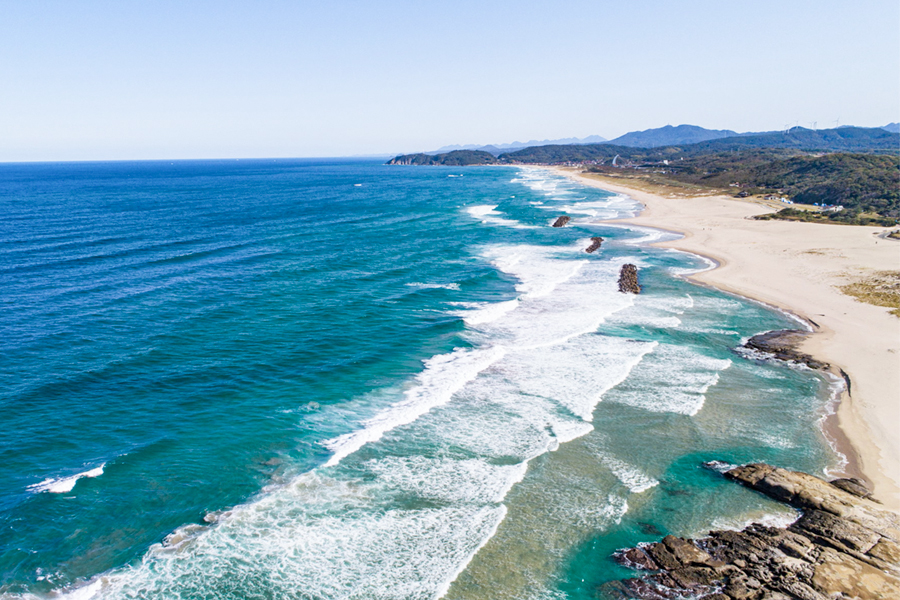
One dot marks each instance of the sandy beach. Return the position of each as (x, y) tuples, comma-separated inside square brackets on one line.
[(799, 267)]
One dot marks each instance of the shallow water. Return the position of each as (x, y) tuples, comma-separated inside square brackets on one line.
[(337, 379)]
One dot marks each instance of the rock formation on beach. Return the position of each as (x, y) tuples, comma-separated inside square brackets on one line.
[(783, 344), (561, 221), (628, 280), (845, 545), (595, 244)]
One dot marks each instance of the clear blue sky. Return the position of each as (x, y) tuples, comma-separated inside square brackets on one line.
[(117, 79)]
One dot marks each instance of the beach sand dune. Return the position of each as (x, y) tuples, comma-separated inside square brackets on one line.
[(800, 267)]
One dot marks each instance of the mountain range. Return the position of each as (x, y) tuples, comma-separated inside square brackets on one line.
[(649, 138), (497, 149)]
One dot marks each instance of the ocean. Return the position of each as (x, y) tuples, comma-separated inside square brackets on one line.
[(323, 379)]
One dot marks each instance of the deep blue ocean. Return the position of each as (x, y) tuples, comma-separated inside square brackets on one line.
[(336, 379)]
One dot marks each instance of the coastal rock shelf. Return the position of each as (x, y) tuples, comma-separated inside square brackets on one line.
[(595, 244), (561, 221), (628, 280), (845, 545), (783, 345)]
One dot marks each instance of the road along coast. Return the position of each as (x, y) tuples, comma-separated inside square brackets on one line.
[(799, 267)]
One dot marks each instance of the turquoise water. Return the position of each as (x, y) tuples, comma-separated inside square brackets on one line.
[(336, 379)]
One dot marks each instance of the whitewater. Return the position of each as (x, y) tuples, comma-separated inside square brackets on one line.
[(385, 382)]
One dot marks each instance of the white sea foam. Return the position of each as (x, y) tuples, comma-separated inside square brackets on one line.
[(482, 210), (711, 330), (645, 319), (707, 264), (675, 379), (443, 376), (576, 373), (655, 311), (774, 441), (62, 485), (537, 271), (630, 476), (487, 214), (86, 592), (836, 387), (447, 479), (488, 312), (598, 209), (434, 286), (600, 515), (492, 418), (321, 537), (647, 235), (560, 299), (780, 519)]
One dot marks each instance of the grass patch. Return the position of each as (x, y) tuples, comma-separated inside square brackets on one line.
[(880, 289), (652, 184), (838, 218)]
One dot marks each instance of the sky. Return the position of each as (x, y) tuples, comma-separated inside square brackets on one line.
[(113, 80)]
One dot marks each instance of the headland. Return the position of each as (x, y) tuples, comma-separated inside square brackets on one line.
[(843, 545), (800, 268)]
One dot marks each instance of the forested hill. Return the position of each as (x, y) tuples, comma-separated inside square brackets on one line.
[(843, 139), (861, 183), (853, 167), (455, 158), (669, 136)]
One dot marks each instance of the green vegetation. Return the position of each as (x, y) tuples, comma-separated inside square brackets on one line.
[(855, 168), (843, 217), (671, 136), (881, 289), (797, 140), (861, 183), (457, 158), (842, 139)]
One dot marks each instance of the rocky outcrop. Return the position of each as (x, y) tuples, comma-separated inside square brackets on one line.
[(845, 545), (783, 345), (628, 280), (561, 221), (595, 244)]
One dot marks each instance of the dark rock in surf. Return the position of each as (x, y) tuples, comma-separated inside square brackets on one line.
[(844, 545), (595, 244), (561, 221), (628, 280), (636, 558), (783, 345)]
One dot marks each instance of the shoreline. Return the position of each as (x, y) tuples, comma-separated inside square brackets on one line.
[(795, 267)]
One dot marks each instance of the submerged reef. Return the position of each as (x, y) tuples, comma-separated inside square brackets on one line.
[(844, 545)]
